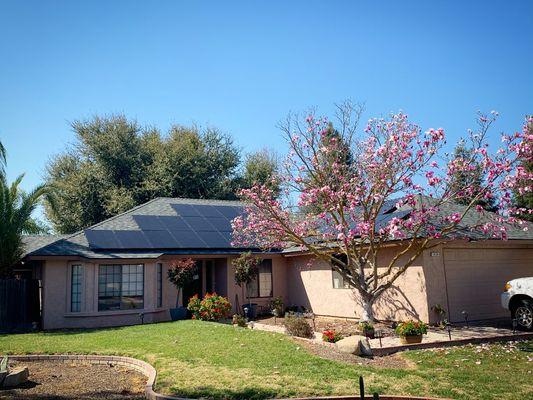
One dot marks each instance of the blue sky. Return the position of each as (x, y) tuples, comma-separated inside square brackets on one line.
[(242, 66)]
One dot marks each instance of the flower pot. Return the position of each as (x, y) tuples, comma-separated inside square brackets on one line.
[(369, 333), (252, 310), (411, 339), (178, 313)]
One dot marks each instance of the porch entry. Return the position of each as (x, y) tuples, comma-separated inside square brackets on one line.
[(203, 282)]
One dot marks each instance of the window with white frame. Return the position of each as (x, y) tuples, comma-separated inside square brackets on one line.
[(120, 287), (75, 287), (261, 285)]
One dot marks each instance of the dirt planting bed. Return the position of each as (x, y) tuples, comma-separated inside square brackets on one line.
[(64, 380)]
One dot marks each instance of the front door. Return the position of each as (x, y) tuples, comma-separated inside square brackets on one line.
[(195, 287)]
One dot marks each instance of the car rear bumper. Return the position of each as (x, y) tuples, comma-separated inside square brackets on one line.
[(505, 297)]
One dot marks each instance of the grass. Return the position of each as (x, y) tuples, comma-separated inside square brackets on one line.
[(202, 359)]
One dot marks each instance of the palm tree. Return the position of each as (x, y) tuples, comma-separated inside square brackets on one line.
[(16, 208), (3, 158)]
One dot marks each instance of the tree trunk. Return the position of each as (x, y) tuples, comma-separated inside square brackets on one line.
[(367, 313)]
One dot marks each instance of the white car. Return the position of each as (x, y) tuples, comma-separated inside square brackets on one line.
[(518, 298)]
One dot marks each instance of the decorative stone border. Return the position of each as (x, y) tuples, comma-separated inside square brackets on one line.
[(133, 363), (150, 372)]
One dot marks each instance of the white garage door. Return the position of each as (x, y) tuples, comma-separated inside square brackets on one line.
[(475, 279)]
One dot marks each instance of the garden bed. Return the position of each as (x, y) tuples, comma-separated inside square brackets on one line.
[(52, 380)]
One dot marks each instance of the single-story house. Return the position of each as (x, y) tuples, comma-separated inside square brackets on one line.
[(115, 272)]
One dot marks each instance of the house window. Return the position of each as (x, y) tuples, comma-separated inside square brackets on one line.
[(75, 288), (120, 287), (261, 285), (338, 281), (159, 285)]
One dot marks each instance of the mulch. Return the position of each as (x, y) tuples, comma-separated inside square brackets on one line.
[(61, 381), (330, 353), (344, 326)]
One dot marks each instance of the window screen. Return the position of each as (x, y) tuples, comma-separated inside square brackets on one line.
[(159, 285), (120, 287), (75, 288), (261, 285), (338, 281)]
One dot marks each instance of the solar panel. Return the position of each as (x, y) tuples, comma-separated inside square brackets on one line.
[(173, 223), (230, 211), (198, 223), (132, 240), (214, 239), (161, 239), (220, 224), (186, 210), (148, 222), (208, 211), (189, 239), (101, 239)]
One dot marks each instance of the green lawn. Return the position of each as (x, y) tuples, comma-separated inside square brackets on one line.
[(201, 359)]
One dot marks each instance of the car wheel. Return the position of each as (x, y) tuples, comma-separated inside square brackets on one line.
[(523, 313)]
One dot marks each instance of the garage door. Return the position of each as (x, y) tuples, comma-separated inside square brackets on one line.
[(475, 279)]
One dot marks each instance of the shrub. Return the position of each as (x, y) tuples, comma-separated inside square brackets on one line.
[(181, 273), (411, 328), (276, 306), (298, 326), (331, 336), (239, 320), (211, 308)]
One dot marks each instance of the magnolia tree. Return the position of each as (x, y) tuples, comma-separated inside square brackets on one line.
[(348, 194)]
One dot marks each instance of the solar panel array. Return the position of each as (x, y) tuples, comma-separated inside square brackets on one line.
[(195, 226)]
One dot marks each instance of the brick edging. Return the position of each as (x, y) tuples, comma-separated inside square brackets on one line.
[(141, 366)]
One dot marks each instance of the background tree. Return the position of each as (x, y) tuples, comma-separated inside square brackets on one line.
[(116, 164), (394, 194), (262, 168), (16, 208), (522, 198), (466, 182)]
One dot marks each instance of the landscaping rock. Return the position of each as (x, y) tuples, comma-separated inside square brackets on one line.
[(16, 377), (364, 347), (357, 345)]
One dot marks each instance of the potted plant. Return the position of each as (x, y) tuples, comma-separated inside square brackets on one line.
[(245, 271), (367, 328), (411, 331), (180, 274)]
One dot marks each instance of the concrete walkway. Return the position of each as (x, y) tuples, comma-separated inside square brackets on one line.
[(458, 335)]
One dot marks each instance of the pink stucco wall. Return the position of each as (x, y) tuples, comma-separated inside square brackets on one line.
[(431, 280), (56, 292), (311, 285)]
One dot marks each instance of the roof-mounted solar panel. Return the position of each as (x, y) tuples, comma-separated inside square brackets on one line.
[(132, 240), (148, 222), (186, 210), (161, 239), (101, 239)]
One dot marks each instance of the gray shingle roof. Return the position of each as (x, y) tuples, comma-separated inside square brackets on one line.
[(117, 231), (110, 238)]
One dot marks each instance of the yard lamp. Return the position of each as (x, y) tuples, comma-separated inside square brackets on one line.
[(449, 330), (465, 316)]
